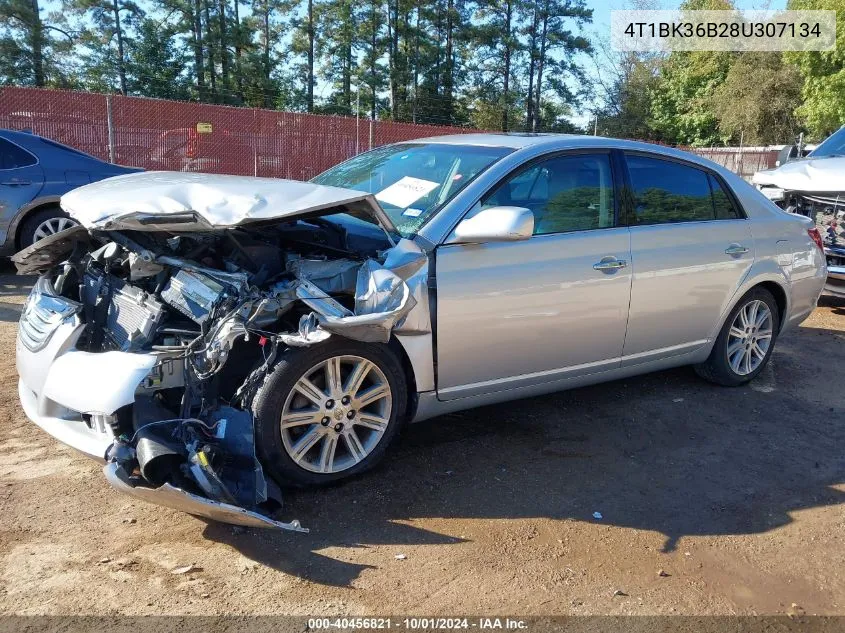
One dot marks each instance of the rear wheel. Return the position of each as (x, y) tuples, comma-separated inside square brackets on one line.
[(329, 412), (43, 223), (745, 344)]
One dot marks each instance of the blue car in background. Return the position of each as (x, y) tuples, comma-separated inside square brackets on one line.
[(34, 173)]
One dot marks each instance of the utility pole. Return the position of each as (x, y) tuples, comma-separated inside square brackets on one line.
[(357, 116)]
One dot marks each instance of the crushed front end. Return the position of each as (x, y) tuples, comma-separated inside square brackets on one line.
[(827, 210), (144, 348)]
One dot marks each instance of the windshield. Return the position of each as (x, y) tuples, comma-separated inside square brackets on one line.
[(833, 145), (412, 181)]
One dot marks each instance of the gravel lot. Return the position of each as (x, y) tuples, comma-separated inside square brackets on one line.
[(713, 501)]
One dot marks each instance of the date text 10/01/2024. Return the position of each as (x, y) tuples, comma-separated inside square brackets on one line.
[(416, 623)]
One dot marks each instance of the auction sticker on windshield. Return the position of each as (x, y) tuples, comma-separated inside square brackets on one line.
[(406, 191)]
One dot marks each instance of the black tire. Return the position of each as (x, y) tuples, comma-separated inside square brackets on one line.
[(26, 235), (270, 400), (717, 368)]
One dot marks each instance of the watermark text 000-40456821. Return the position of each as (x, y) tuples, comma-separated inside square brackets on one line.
[(688, 30)]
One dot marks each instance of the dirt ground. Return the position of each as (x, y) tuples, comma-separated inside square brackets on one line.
[(712, 501)]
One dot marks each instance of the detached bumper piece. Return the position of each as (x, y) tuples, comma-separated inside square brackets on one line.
[(204, 467), (178, 499)]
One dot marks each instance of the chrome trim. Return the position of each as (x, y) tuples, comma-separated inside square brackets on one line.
[(43, 312), (836, 272), (613, 264)]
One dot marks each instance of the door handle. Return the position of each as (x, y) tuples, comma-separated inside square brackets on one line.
[(736, 249), (16, 183), (610, 265)]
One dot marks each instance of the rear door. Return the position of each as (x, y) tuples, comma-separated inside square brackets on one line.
[(513, 314), (21, 179), (691, 248)]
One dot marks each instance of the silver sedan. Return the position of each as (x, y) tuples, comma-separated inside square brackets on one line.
[(562, 261), (313, 319)]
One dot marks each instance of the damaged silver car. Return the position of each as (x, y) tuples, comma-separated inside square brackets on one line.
[(211, 337), (813, 186)]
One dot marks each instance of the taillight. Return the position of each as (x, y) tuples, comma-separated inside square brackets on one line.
[(816, 237)]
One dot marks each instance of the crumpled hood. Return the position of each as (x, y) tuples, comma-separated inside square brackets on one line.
[(179, 201), (817, 175)]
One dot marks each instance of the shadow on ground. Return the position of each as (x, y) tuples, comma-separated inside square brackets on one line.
[(664, 452), (837, 303)]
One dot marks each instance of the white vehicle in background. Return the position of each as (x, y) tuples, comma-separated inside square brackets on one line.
[(814, 186)]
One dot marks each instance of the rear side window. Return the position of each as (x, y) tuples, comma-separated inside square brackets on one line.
[(13, 157), (666, 192), (722, 204)]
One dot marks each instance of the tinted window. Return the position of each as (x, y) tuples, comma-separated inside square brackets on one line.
[(566, 193), (724, 207), (12, 156), (665, 191)]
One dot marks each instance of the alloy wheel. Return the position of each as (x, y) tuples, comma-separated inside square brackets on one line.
[(52, 226), (336, 414), (750, 337)]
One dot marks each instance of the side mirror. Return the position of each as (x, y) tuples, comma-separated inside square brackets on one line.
[(495, 224)]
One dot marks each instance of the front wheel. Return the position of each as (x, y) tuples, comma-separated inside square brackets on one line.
[(746, 341), (329, 412)]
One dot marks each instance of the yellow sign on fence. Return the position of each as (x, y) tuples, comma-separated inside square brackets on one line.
[(204, 128)]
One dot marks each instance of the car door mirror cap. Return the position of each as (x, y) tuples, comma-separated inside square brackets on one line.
[(495, 224)]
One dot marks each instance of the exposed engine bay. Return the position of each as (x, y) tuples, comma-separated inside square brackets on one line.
[(215, 309), (826, 209)]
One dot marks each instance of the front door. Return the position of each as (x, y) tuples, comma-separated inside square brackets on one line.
[(512, 314)]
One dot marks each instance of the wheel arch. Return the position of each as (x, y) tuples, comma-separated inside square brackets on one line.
[(779, 293), (39, 204), (774, 284), (402, 355)]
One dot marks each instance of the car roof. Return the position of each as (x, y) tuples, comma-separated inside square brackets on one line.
[(38, 144), (516, 140), (19, 137), (551, 142)]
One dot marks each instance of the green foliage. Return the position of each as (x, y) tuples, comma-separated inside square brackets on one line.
[(682, 98), (698, 98), (756, 102), (823, 72), (32, 47), (626, 87), (155, 63), (491, 64)]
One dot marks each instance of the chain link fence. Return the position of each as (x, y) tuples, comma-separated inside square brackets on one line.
[(185, 136)]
